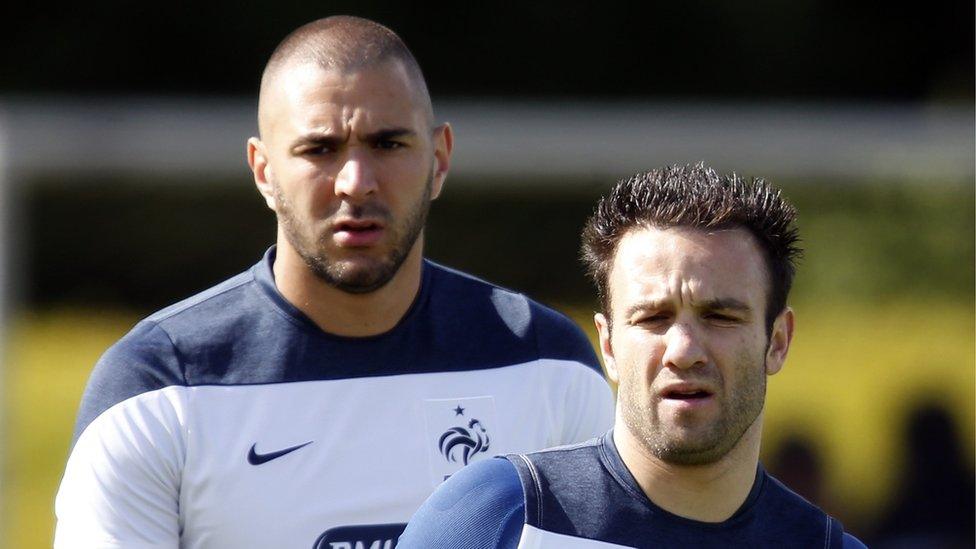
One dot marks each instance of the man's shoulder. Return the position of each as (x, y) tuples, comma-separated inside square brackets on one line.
[(782, 496), (201, 316), (151, 356), (851, 542), (781, 504), (467, 289), (565, 459), (205, 302), (482, 505), (568, 451), (552, 333)]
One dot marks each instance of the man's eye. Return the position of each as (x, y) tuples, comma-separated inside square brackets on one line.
[(388, 144), (653, 319), (316, 151), (723, 318)]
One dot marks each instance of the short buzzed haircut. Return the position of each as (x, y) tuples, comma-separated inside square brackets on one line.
[(344, 43), (695, 196)]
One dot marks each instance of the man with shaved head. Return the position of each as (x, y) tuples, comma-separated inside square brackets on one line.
[(318, 398)]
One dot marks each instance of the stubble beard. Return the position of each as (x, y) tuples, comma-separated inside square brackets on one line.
[(355, 279), (711, 442)]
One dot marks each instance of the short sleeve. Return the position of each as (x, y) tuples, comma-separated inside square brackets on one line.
[(121, 483)]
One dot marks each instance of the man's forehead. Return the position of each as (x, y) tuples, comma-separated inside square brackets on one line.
[(688, 243), (302, 89), (705, 264)]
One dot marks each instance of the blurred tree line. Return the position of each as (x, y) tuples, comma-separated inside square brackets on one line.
[(146, 244)]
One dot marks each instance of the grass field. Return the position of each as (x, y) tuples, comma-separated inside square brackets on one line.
[(853, 373)]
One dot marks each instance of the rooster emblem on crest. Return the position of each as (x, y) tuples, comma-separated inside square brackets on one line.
[(467, 442)]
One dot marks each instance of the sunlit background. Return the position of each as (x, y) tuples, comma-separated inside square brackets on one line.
[(124, 188)]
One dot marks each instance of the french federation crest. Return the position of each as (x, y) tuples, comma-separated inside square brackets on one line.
[(458, 432)]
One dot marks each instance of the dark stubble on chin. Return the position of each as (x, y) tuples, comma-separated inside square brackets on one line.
[(713, 442), (311, 248)]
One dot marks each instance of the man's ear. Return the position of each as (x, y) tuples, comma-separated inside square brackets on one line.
[(779, 341), (606, 348), (257, 159), (443, 145)]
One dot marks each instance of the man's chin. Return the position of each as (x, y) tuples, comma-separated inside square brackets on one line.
[(361, 286), (683, 444), (356, 276), (688, 452)]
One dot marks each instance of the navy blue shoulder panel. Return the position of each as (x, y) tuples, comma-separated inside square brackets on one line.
[(509, 317), (786, 518), (147, 358), (568, 490), (143, 360), (586, 491), (560, 338), (243, 331)]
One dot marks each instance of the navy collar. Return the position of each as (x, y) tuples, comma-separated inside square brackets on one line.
[(615, 465), (263, 273)]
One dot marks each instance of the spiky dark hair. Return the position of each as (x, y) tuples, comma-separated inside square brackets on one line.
[(695, 196)]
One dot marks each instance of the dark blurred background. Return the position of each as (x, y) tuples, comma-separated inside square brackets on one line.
[(125, 189), (858, 55), (714, 49)]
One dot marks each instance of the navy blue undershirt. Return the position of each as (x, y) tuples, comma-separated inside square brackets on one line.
[(483, 507)]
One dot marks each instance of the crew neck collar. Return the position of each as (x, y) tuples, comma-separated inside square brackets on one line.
[(263, 273)]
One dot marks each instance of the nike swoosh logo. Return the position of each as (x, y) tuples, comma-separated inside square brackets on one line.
[(255, 458)]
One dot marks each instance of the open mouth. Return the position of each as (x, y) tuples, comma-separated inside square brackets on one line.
[(687, 394), (355, 233), (357, 226)]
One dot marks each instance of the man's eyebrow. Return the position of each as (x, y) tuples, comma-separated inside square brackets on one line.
[(388, 133), (714, 304), (647, 304), (331, 140), (318, 139), (724, 304)]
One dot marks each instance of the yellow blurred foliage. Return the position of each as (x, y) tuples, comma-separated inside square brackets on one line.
[(49, 357)]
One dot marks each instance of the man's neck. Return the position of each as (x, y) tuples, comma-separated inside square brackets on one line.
[(707, 493), (343, 313)]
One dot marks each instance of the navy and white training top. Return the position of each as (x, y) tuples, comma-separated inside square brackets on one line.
[(584, 497), (231, 420)]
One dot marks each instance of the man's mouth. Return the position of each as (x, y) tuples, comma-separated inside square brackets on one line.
[(357, 233), (357, 226), (690, 395), (686, 393)]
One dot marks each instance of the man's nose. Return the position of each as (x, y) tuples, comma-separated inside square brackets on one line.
[(684, 349), (355, 178)]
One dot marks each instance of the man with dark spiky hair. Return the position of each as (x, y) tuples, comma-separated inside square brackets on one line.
[(693, 270), (318, 398)]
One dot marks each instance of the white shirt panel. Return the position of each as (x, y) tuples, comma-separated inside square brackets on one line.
[(123, 476), (193, 444), (535, 538)]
